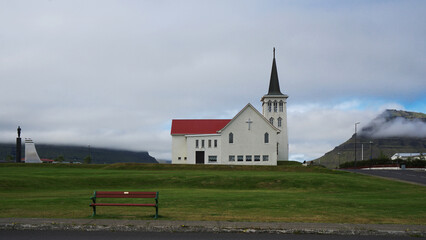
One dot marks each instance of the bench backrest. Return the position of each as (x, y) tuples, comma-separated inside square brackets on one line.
[(104, 194)]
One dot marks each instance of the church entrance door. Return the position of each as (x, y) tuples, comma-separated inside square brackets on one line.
[(199, 157)]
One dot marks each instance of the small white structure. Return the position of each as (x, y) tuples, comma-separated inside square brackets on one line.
[(406, 156), (31, 155), (250, 138)]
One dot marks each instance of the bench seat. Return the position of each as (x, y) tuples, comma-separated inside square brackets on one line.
[(123, 204), (116, 194)]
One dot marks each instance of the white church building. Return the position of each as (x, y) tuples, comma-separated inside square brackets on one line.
[(250, 138)]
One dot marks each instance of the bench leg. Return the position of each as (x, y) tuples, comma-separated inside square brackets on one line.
[(94, 211), (156, 212)]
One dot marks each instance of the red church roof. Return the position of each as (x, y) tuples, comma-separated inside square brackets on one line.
[(197, 126)]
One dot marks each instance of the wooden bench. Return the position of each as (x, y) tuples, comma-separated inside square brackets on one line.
[(103, 194)]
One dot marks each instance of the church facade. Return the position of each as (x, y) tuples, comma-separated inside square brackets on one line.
[(249, 138)]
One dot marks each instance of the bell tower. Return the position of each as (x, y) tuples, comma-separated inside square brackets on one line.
[(275, 110)]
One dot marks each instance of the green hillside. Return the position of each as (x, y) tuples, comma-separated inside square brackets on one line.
[(78, 153), (287, 193), (376, 139)]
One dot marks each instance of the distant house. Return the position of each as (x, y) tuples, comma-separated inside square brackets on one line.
[(46, 160), (406, 156)]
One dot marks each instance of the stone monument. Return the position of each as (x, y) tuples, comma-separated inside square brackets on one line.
[(18, 146), (31, 155)]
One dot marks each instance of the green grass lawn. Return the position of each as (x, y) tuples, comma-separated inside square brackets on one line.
[(287, 193)]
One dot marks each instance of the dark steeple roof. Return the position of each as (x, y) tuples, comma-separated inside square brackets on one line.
[(274, 85)]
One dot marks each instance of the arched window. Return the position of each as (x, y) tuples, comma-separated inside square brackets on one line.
[(266, 138), (281, 106), (271, 120), (269, 106), (231, 138), (280, 121), (275, 106)]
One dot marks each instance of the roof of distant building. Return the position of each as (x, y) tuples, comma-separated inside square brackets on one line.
[(197, 126)]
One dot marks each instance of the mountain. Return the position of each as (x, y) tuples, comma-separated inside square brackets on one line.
[(78, 153), (393, 131)]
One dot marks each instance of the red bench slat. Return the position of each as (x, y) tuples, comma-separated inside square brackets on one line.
[(103, 194), (123, 204)]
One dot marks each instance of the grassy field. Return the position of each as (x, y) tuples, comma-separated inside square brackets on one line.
[(289, 193)]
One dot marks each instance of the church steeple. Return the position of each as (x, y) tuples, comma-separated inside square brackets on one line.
[(274, 109), (274, 85)]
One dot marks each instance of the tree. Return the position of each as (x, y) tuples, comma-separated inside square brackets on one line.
[(9, 158), (60, 158), (88, 159)]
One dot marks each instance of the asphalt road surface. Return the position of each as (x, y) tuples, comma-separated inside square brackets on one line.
[(98, 235), (418, 177)]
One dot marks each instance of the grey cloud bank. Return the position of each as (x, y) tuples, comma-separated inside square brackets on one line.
[(114, 74)]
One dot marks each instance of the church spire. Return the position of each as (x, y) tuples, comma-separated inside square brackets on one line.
[(274, 85)]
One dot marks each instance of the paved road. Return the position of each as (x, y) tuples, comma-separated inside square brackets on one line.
[(106, 235), (418, 177)]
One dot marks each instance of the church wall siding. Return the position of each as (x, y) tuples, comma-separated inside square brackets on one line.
[(249, 142), (208, 150), (283, 136), (179, 149)]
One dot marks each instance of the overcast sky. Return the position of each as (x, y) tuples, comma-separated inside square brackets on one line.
[(115, 73)]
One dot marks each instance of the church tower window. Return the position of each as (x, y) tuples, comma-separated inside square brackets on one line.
[(280, 121), (281, 106), (231, 138), (275, 106), (271, 120), (266, 140), (269, 106), (196, 143)]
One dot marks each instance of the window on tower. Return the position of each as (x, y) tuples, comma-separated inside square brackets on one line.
[(280, 122), (269, 106), (281, 106), (275, 106), (271, 120)]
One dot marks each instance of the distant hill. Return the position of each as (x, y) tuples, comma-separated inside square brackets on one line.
[(393, 131), (78, 153)]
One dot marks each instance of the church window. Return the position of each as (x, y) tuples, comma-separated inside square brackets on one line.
[(231, 158), (266, 140), (179, 158), (281, 106), (184, 158), (215, 143), (212, 158), (256, 158), (202, 143), (248, 158), (210, 143), (280, 122), (275, 106), (269, 106), (196, 143), (265, 158), (271, 120), (240, 158), (231, 138)]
